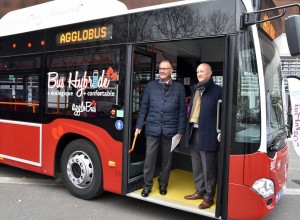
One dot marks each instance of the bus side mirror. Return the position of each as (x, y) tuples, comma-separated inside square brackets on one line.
[(292, 28)]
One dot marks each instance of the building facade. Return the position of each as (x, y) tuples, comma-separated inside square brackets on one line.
[(10, 5)]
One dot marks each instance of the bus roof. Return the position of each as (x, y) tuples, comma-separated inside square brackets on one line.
[(57, 13), (63, 12)]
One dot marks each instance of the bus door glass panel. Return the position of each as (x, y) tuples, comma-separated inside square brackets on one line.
[(143, 72), (19, 93), (84, 85), (247, 130), (19, 85), (273, 85)]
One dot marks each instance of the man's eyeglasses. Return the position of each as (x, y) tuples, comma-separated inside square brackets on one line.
[(163, 69)]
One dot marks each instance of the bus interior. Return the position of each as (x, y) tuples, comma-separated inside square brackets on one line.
[(185, 56)]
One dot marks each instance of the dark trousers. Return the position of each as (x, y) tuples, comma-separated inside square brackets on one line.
[(153, 143), (204, 164)]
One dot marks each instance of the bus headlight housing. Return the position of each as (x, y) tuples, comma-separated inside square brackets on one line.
[(264, 187)]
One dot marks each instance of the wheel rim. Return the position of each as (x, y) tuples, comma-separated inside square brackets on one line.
[(80, 169)]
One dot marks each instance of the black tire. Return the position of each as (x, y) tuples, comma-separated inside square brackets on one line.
[(81, 169)]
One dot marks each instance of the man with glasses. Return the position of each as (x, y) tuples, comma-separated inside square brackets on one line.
[(163, 111)]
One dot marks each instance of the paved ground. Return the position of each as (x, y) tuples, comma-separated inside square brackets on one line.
[(293, 183)]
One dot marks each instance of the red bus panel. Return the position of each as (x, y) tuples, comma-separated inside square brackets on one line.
[(21, 142)]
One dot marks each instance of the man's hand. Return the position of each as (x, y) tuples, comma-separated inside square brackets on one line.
[(137, 132)]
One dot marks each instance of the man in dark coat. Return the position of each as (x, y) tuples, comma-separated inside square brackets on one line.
[(163, 110), (201, 135)]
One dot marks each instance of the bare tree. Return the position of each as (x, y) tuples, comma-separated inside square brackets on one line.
[(219, 22), (138, 23), (179, 23)]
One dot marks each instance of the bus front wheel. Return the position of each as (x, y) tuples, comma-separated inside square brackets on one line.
[(81, 169)]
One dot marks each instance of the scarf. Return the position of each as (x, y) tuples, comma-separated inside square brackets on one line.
[(200, 87)]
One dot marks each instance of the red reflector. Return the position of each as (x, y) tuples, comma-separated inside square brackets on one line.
[(14, 45), (29, 44)]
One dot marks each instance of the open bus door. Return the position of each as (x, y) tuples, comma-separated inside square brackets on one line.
[(185, 58), (143, 72)]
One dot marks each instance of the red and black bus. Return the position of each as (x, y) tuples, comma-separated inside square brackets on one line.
[(71, 80)]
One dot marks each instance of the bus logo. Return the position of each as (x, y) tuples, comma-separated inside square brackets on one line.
[(57, 132), (82, 81), (84, 107)]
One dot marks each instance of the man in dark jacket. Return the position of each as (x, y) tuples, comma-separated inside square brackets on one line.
[(163, 110), (201, 135)]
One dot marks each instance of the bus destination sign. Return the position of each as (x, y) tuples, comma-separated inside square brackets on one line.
[(84, 35)]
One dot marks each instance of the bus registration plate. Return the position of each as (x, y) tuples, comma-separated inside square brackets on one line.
[(280, 193)]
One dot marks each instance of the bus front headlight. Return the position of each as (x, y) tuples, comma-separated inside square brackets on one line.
[(264, 187)]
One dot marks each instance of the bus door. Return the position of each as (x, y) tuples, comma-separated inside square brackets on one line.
[(143, 72), (20, 141), (224, 116)]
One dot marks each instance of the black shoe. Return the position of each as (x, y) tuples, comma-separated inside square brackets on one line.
[(163, 190), (145, 192)]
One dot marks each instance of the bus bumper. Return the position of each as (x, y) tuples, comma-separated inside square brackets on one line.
[(244, 203)]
